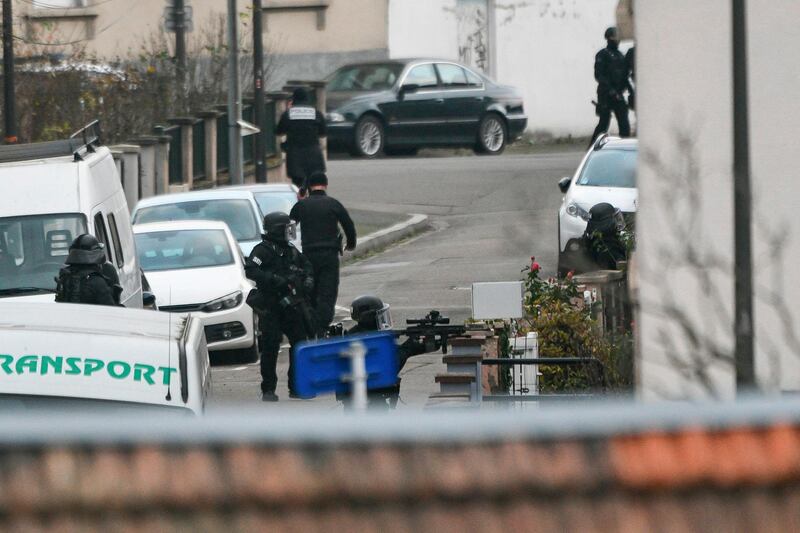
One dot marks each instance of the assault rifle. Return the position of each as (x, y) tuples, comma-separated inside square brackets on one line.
[(433, 330)]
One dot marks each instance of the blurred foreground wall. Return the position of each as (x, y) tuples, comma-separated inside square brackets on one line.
[(685, 222), (118, 476)]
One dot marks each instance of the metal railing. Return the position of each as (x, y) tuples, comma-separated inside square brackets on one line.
[(522, 395)]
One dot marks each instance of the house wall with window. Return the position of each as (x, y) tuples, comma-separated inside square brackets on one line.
[(305, 39), (685, 225), (546, 49)]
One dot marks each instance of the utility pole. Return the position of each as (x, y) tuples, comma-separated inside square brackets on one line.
[(9, 111), (742, 206), (258, 93), (235, 153), (179, 15)]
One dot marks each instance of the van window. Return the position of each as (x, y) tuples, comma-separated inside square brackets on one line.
[(33, 248), (100, 233), (112, 223)]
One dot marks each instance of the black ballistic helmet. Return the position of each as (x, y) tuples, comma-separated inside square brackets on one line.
[(612, 33), (86, 250), (317, 178), (371, 313), (300, 95), (277, 226), (604, 218)]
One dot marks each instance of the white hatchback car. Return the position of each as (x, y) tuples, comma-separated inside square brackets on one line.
[(195, 266), (236, 208), (606, 174)]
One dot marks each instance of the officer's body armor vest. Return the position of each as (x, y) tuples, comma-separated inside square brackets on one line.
[(70, 284)]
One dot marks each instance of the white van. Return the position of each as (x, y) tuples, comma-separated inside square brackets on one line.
[(49, 194), (91, 358)]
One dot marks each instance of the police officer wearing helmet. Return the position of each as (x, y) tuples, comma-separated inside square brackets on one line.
[(611, 73), (602, 237), (82, 279), (283, 278), (303, 125), (371, 314), (320, 217)]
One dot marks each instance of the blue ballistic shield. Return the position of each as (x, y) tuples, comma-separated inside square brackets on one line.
[(323, 366)]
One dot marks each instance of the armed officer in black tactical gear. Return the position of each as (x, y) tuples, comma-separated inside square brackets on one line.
[(603, 238), (284, 277), (319, 216), (630, 62), (611, 73), (371, 314), (83, 279), (303, 125)]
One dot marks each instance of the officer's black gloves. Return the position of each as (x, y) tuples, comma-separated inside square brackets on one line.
[(279, 281), (308, 284)]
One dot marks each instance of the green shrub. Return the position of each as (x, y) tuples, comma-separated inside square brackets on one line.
[(555, 310)]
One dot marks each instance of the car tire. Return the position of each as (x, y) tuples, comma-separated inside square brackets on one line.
[(492, 135), (369, 137), (401, 151)]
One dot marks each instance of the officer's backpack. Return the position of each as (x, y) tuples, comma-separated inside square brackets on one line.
[(70, 284)]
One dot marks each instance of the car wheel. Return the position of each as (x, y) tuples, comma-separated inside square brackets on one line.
[(369, 137), (401, 151), (492, 135)]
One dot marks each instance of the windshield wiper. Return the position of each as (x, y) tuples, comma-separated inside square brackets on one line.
[(24, 290)]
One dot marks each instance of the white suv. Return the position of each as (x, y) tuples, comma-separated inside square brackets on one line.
[(606, 174)]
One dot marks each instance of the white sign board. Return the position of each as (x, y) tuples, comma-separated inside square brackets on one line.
[(497, 300)]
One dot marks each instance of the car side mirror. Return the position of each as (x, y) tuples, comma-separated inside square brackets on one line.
[(148, 299), (408, 88), (564, 183)]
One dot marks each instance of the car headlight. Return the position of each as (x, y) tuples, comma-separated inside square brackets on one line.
[(577, 211), (226, 302), (334, 117)]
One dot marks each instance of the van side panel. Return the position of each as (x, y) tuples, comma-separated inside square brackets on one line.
[(108, 197)]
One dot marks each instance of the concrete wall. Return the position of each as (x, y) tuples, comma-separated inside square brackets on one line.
[(546, 49), (685, 181)]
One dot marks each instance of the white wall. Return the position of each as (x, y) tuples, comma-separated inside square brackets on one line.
[(685, 131), (546, 49), (422, 28)]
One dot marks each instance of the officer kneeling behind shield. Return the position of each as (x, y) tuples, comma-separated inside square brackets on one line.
[(371, 314), (87, 278), (284, 278)]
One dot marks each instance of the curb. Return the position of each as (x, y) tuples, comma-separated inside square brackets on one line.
[(386, 237)]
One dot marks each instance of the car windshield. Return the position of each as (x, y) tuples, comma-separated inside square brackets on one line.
[(178, 250), (33, 250), (376, 77), (610, 168), (269, 202), (237, 214)]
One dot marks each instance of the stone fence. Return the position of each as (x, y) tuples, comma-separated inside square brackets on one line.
[(191, 152)]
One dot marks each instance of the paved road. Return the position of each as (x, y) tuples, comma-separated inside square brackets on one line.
[(490, 215)]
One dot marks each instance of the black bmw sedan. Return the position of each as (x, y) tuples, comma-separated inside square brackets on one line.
[(399, 106)]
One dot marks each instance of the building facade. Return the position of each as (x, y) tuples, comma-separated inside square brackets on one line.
[(304, 39), (685, 225)]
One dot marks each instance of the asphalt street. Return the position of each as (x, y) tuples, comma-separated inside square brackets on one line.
[(489, 215)]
